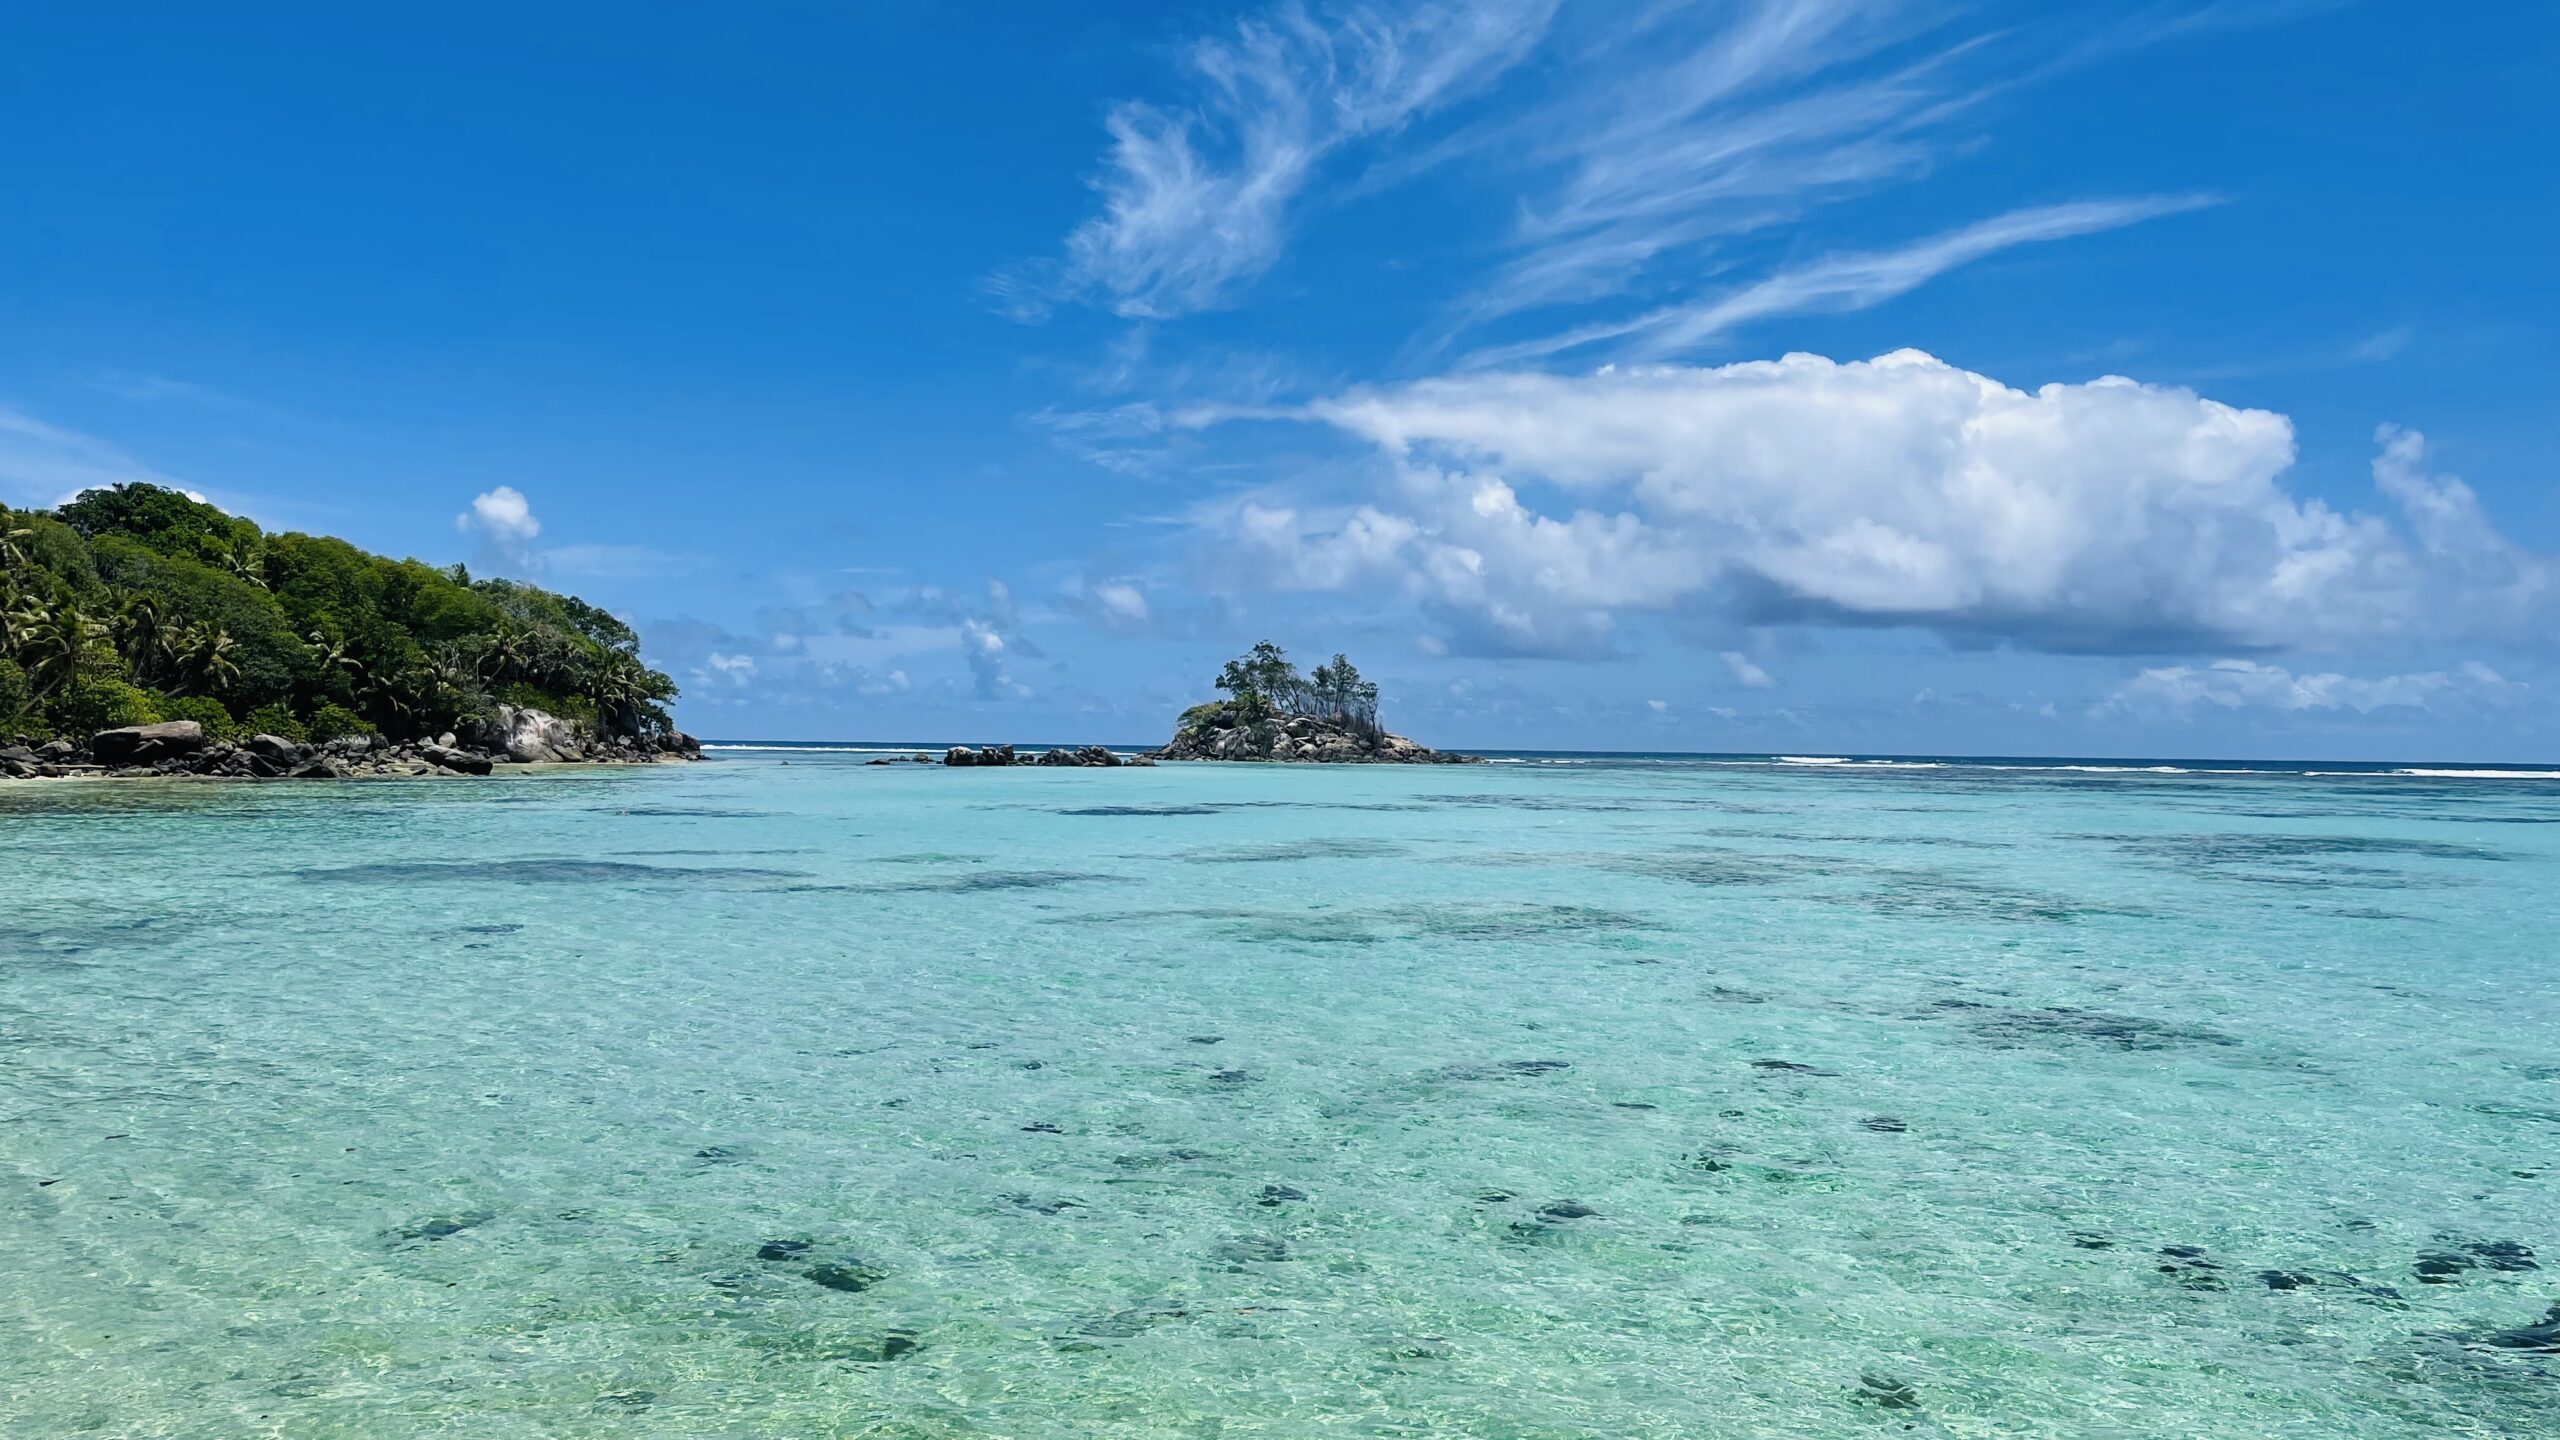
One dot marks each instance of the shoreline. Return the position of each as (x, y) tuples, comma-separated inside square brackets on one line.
[(92, 775), (180, 749)]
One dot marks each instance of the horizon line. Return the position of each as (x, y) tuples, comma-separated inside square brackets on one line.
[(1776, 756)]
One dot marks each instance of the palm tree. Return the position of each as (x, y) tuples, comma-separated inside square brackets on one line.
[(13, 542), (502, 653), (626, 693), (58, 647), (247, 560), (334, 657), (204, 657), (433, 692), (20, 614), (447, 669), (616, 688), (142, 633), (393, 698)]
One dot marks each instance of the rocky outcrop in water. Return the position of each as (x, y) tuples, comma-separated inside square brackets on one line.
[(147, 744), (179, 747), (1098, 756), (1227, 731), (1081, 755)]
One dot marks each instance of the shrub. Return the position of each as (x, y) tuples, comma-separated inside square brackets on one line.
[(98, 704), (274, 720), (14, 695), (202, 709), (335, 722)]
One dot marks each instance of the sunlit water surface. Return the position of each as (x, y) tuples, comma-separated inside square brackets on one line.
[(1537, 1101)]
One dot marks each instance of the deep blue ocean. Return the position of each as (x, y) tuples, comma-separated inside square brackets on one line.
[(792, 1095)]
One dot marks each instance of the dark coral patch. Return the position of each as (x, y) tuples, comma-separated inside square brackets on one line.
[(850, 1278), (2072, 1024), (2444, 1267), (1887, 1393)]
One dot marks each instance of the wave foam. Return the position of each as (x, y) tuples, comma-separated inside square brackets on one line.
[(2481, 774)]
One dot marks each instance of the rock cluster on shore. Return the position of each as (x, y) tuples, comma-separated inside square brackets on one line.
[(179, 747), (1225, 730)]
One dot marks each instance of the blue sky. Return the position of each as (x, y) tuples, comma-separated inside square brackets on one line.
[(1793, 375)]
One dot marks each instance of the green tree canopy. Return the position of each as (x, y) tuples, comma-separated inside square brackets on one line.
[(135, 598), (1263, 682)]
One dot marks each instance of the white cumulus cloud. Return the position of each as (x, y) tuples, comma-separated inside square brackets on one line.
[(502, 514), (1122, 601), (2105, 517), (504, 522), (984, 649)]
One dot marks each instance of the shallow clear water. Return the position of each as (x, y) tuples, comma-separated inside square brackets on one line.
[(1205, 1101)]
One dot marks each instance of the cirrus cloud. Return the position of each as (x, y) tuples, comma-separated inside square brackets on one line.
[(1197, 196), (44, 464)]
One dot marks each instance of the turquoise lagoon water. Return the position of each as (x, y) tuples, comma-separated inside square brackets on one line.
[(1534, 1101)]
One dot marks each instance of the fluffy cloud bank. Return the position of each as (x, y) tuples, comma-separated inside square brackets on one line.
[(2107, 517), (2251, 685), (823, 648)]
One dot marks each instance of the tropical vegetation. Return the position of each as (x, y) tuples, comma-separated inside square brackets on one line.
[(135, 603), (1264, 684)]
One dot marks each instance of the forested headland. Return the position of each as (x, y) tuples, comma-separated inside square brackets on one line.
[(135, 604)]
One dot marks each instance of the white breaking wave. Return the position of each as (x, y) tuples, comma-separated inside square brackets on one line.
[(2482, 774)]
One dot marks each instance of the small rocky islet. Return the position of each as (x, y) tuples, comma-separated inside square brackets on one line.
[(1224, 730), (1272, 715)]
